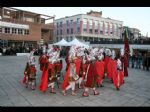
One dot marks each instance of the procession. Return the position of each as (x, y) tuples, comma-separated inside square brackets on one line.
[(83, 56), (86, 69)]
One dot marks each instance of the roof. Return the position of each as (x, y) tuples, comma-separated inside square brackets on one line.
[(14, 9), (87, 15)]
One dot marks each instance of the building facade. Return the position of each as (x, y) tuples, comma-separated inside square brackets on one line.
[(136, 33), (133, 33), (24, 27), (87, 27)]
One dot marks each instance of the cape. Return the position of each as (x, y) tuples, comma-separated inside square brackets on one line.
[(66, 79)]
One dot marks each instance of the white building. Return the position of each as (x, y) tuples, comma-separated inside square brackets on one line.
[(88, 27)]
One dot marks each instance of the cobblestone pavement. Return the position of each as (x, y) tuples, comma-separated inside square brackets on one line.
[(135, 91)]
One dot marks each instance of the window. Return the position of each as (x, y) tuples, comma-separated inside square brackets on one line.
[(91, 31), (20, 31), (26, 32), (0, 29), (67, 31), (78, 25), (119, 30), (85, 25), (57, 24), (7, 30), (71, 30), (71, 38), (116, 29), (78, 29), (96, 27), (96, 39), (71, 21), (85, 30), (78, 20), (14, 31), (85, 38), (67, 23), (29, 19), (67, 38), (106, 28), (85, 21), (91, 26), (101, 27), (96, 31), (111, 28), (60, 24), (57, 32), (57, 39), (61, 32)]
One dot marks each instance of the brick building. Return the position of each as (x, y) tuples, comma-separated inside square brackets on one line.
[(19, 27)]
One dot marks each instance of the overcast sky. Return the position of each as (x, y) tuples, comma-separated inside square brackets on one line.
[(137, 17)]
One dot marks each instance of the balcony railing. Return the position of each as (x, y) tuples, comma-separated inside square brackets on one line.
[(138, 42)]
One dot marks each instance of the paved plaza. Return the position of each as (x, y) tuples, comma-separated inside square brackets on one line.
[(135, 91)]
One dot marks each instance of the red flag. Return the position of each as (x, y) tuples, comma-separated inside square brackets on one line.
[(126, 45)]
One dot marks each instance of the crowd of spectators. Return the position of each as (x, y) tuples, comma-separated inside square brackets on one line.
[(12, 50), (140, 60)]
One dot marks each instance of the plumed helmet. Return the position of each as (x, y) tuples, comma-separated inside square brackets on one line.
[(108, 52), (101, 50), (100, 57), (122, 52), (119, 64), (113, 54)]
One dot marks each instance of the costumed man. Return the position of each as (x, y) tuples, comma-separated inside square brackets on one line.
[(31, 71), (53, 59), (82, 72), (26, 73), (118, 78), (57, 65), (70, 52), (49, 75), (106, 60), (110, 64), (91, 76), (124, 61), (42, 58), (79, 65), (60, 66), (44, 79), (71, 77), (100, 66)]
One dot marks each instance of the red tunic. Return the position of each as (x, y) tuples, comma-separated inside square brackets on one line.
[(25, 77), (78, 64), (110, 68), (84, 68), (106, 60), (91, 76), (33, 69), (66, 79), (44, 81), (44, 78), (42, 61), (59, 67), (100, 70), (118, 78), (121, 77)]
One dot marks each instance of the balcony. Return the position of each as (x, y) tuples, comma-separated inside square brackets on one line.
[(120, 41)]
